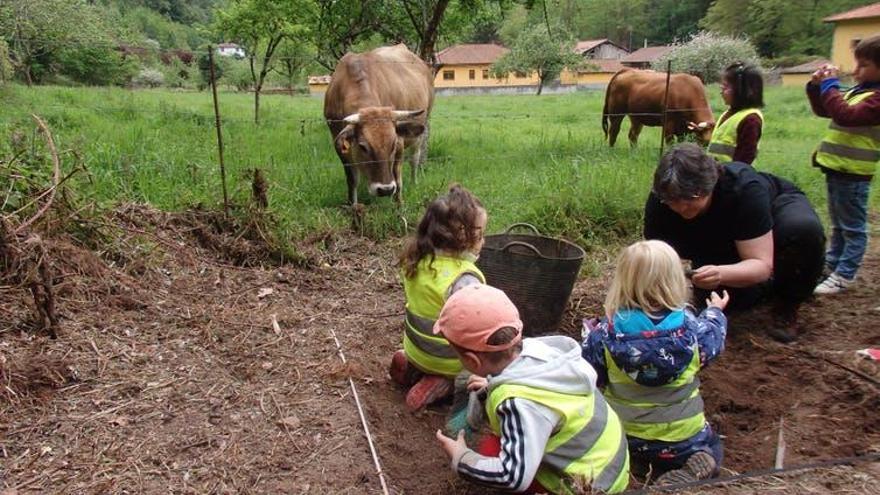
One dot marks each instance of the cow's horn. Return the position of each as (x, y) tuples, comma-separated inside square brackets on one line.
[(404, 114), (702, 125), (353, 118)]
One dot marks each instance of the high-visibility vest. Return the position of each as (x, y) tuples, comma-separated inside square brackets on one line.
[(854, 150), (590, 446), (723, 143), (668, 413), (426, 292)]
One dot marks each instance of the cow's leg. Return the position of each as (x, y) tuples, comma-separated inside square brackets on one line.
[(351, 179), (398, 176), (635, 128), (420, 152), (614, 128)]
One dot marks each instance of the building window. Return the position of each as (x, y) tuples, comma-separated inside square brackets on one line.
[(448, 75), (485, 73), (519, 75), (472, 74)]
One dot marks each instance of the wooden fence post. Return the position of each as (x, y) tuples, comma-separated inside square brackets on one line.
[(219, 133)]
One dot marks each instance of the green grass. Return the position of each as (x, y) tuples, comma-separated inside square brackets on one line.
[(540, 160)]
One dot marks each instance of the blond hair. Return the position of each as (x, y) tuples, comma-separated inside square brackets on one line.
[(649, 276)]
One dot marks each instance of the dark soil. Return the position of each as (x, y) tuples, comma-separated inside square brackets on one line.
[(170, 375)]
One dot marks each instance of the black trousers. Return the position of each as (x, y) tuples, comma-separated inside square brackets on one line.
[(798, 257)]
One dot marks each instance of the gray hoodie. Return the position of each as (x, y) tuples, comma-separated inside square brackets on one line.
[(551, 363)]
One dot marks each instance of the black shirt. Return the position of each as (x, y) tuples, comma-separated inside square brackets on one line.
[(740, 209)]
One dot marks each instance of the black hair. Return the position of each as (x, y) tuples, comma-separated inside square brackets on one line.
[(686, 171), (747, 84), (869, 49)]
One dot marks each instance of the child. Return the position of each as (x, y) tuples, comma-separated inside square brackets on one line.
[(647, 352), (435, 263), (736, 136), (556, 431), (848, 156)]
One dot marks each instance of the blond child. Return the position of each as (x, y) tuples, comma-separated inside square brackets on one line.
[(555, 433), (439, 260), (647, 352)]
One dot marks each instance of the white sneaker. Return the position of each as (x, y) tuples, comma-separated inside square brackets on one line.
[(834, 284)]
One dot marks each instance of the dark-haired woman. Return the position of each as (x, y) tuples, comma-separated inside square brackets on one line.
[(736, 135)]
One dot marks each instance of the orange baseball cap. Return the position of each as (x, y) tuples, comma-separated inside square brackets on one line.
[(473, 313)]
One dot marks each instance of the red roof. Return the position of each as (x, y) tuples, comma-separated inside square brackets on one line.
[(471, 54), (601, 65), (648, 54), (807, 68), (865, 12)]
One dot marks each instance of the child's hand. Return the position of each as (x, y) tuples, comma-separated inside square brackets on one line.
[(717, 301), (453, 448), (707, 277), (476, 383)]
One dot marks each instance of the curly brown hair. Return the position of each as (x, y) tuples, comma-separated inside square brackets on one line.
[(450, 224)]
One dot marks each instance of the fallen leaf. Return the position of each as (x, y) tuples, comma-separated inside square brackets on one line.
[(265, 291), (290, 422)]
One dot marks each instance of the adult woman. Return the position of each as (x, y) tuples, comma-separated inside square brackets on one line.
[(749, 232)]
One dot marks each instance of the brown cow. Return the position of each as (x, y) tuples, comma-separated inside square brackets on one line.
[(376, 106), (639, 94)]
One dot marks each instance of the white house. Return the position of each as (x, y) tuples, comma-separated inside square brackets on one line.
[(230, 50)]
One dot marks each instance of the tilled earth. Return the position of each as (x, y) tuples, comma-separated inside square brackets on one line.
[(176, 371)]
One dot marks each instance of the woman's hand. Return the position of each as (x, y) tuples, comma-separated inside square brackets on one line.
[(717, 301), (476, 383), (707, 277)]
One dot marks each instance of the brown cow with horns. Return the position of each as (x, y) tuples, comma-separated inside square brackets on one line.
[(377, 105), (639, 94)]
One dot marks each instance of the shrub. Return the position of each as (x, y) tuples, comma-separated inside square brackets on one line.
[(5, 64), (707, 54), (148, 78), (93, 65)]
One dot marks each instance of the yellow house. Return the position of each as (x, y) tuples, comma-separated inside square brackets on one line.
[(799, 75), (469, 65), (596, 72), (850, 27), (318, 84)]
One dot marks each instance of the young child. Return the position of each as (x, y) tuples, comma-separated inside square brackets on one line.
[(848, 156), (736, 135), (647, 352), (556, 431), (435, 263)]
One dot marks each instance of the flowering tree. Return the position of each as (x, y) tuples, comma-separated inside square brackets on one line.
[(707, 54)]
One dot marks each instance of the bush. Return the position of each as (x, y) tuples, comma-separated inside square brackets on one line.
[(177, 74), (93, 65), (148, 78), (238, 74), (5, 64), (707, 54)]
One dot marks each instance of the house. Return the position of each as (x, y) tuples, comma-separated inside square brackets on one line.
[(469, 65), (799, 75), (318, 84), (596, 72), (644, 57), (850, 27), (602, 49), (230, 50)]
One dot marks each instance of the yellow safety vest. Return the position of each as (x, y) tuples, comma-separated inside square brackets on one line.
[(853, 150), (590, 445), (723, 143), (426, 292), (669, 413)]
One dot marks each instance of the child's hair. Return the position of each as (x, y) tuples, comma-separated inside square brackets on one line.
[(747, 84), (869, 49), (503, 335), (649, 276), (449, 224)]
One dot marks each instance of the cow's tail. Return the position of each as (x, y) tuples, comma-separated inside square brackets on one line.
[(605, 112)]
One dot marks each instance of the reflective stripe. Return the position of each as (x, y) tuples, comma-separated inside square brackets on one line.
[(722, 149), (424, 325), (613, 470), (634, 392), (416, 327), (849, 152), (867, 131), (581, 443), (660, 414)]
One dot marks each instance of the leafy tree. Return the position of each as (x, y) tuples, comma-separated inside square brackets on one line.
[(95, 65), (540, 51), (707, 54), (5, 64), (293, 57), (260, 27)]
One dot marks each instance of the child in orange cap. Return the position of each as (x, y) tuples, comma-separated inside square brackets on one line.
[(556, 431)]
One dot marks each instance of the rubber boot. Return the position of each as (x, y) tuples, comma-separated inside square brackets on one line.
[(429, 389), (403, 373)]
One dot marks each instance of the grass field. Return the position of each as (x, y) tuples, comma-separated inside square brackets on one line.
[(540, 160)]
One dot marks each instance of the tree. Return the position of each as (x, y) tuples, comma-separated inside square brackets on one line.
[(260, 27), (540, 51), (293, 57), (707, 54), (5, 65)]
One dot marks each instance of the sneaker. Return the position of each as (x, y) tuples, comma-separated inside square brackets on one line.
[(699, 466), (834, 284), (403, 373), (429, 389)]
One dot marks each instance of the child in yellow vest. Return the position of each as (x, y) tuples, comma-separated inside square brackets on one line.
[(647, 352), (848, 155), (555, 432), (736, 135), (439, 260)]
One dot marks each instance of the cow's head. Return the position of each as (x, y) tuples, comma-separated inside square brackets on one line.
[(374, 139), (703, 130)]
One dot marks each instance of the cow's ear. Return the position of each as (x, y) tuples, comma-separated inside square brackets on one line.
[(344, 138), (409, 130)]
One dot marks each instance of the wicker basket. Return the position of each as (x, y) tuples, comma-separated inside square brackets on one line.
[(536, 272)]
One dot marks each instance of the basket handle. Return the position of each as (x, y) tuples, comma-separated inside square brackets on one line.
[(525, 245), (522, 224)]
